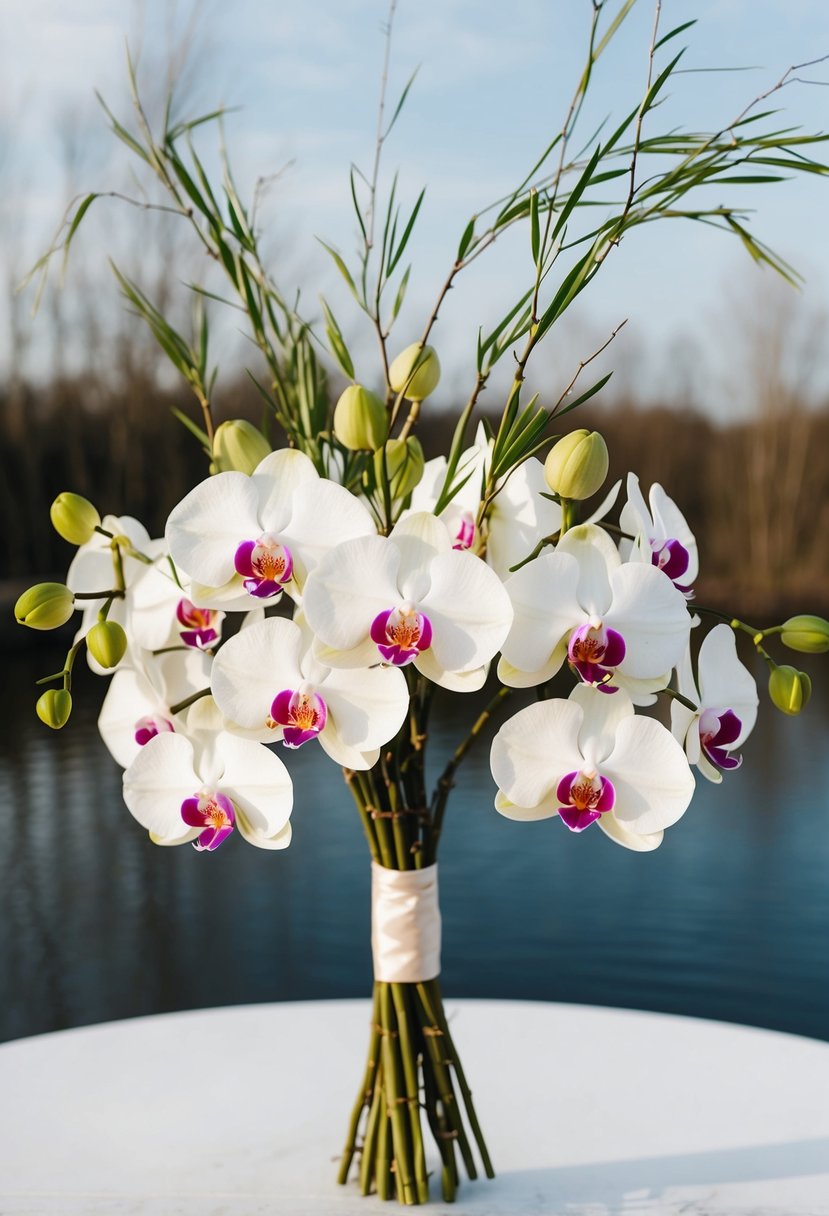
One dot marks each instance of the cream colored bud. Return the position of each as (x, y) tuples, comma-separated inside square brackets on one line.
[(107, 642), (577, 465), (806, 633), (360, 420), (74, 518), (238, 447), (404, 463), (415, 372), (45, 606), (54, 707), (789, 689)]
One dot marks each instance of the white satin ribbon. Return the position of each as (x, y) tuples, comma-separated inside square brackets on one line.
[(405, 924)]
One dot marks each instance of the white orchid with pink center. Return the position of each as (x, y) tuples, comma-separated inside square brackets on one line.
[(184, 793), (138, 703), (518, 517), (267, 682), (661, 535), (726, 696), (243, 540), (161, 615), (591, 759), (619, 625), (407, 598)]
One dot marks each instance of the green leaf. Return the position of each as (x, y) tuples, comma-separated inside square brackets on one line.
[(394, 257), (357, 210), (656, 88), (343, 269), (591, 392), (576, 193), (83, 207), (466, 239), (535, 228), (401, 293), (401, 102), (679, 29), (192, 428), (337, 342)]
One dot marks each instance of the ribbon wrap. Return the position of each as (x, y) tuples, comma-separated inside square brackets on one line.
[(405, 924)]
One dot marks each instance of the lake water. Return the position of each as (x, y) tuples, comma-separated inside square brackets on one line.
[(729, 919)]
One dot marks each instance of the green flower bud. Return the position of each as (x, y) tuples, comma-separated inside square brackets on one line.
[(808, 634), (577, 465), (789, 689), (360, 420), (415, 372), (54, 707), (404, 465), (45, 606), (74, 518), (107, 642), (238, 447)]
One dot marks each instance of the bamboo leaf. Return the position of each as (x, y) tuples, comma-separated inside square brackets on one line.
[(337, 342), (407, 232), (591, 392), (83, 207), (343, 269), (679, 29), (192, 428), (466, 239), (401, 293), (576, 193), (535, 228), (401, 102)]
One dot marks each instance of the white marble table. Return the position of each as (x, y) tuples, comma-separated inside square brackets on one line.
[(242, 1112)]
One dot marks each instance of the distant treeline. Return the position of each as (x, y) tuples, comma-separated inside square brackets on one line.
[(756, 493)]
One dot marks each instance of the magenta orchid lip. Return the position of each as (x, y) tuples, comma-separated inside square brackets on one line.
[(718, 729), (401, 634), (302, 714), (149, 726), (198, 625), (583, 798), (465, 535), (214, 813), (672, 558), (265, 565), (595, 652)]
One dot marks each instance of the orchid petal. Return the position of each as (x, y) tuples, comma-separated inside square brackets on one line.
[(636, 841), (535, 748), (206, 527), (602, 717), (513, 677), (724, 682), (259, 785), (252, 667), (670, 523), (277, 479), (130, 696), (597, 556), (454, 681), (230, 597), (652, 617), (323, 515), (650, 774), (157, 782), (469, 610), (546, 607), (520, 516), (419, 538), (525, 814), (349, 588), (367, 707)]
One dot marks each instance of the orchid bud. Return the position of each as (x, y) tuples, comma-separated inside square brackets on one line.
[(415, 372), (107, 643), (360, 420), (577, 465), (74, 518), (404, 462), (808, 634), (45, 606), (789, 689), (238, 447), (54, 707)]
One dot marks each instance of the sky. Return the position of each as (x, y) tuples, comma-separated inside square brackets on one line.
[(493, 84)]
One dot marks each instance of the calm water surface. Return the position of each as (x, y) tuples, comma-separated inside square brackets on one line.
[(729, 919)]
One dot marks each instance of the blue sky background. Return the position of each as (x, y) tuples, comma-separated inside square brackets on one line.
[(493, 86)]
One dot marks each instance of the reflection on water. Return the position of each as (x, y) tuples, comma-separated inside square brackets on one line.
[(729, 919)]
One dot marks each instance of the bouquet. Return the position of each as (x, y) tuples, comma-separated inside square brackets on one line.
[(314, 589)]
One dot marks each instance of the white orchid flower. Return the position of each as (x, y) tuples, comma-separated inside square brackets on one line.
[(137, 705), (662, 535), (238, 537), (161, 615), (268, 682), (618, 625), (727, 705), (180, 795), (590, 759), (519, 515), (408, 598), (92, 570)]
